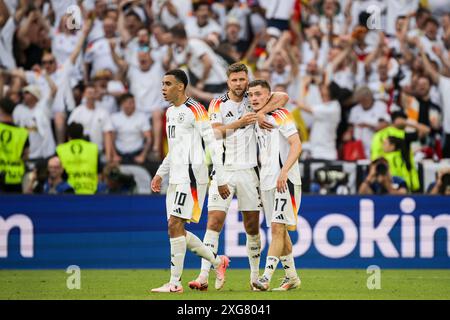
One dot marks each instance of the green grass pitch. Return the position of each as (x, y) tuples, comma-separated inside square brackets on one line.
[(134, 284)]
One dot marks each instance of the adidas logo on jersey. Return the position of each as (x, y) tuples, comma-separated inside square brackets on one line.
[(279, 217), (177, 210), (229, 115), (270, 267)]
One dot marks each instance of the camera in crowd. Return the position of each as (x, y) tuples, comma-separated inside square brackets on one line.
[(118, 182), (330, 180), (445, 184), (381, 168)]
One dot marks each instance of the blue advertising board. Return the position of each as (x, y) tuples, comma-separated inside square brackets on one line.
[(49, 232)]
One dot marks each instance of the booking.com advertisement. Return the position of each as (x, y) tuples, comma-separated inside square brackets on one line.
[(131, 232)]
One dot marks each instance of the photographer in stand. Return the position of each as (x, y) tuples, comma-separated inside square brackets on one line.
[(442, 184), (379, 180)]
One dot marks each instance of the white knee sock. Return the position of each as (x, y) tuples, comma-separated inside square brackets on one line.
[(254, 254), (211, 240), (289, 266), (271, 265), (195, 245), (177, 252)]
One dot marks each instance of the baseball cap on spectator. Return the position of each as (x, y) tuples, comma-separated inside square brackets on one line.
[(34, 90), (233, 20), (138, 12)]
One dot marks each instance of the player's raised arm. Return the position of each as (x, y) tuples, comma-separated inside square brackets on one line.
[(277, 100)]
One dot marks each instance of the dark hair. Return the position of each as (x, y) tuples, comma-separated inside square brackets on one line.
[(178, 31), (124, 97), (237, 67), (421, 11), (333, 91), (159, 25), (398, 114), (445, 183), (400, 145), (196, 5), (180, 75), (259, 82), (132, 13), (7, 105), (75, 130), (431, 20), (80, 86)]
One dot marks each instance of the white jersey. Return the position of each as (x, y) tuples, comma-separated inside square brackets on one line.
[(240, 146), (186, 126), (274, 149)]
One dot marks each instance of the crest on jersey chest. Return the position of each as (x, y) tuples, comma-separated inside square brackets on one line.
[(245, 106), (180, 118)]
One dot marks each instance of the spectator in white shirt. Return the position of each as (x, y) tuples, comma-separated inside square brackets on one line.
[(96, 122), (232, 9), (146, 91), (326, 118), (9, 21), (202, 26), (171, 12), (367, 117), (208, 68), (131, 133), (98, 55), (33, 115), (278, 13)]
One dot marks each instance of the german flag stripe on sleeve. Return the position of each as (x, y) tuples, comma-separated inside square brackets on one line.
[(198, 110), (214, 106), (282, 116), (294, 204)]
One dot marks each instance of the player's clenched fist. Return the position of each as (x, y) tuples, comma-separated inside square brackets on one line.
[(249, 118)]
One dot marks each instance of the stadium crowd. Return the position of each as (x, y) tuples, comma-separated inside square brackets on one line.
[(366, 80)]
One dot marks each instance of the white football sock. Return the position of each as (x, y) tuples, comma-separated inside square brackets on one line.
[(177, 252), (195, 245), (289, 266), (254, 254), (271, 265), (211, 240)]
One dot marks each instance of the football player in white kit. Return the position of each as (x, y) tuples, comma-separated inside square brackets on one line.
[(280, 185), (233, 120), (187, 124)]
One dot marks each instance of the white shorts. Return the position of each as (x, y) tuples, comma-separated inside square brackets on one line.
[(282, 207), (186, 201), (242, 183)]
